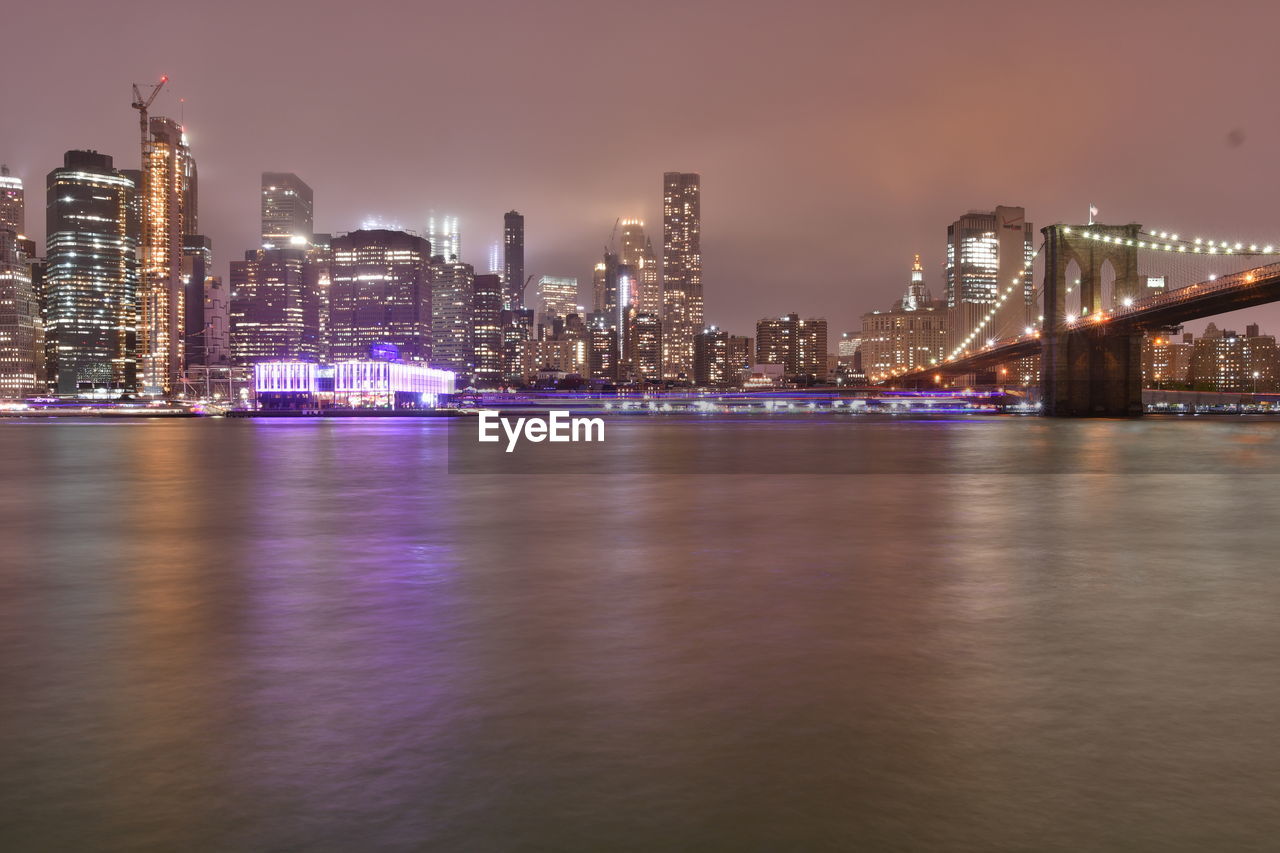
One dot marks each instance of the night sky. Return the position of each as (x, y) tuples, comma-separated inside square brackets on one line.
[(834, 139)]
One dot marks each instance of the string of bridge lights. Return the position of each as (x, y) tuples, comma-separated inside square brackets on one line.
[(1171, 242), (961, 347)]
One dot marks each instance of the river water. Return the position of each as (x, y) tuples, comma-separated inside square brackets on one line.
[(317, 635)]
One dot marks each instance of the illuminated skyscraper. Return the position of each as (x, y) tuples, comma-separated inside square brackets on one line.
[(643, 341), (380, 293), (486, 330), (513, 258), (91, 275), (275, 307), (602, 352), (12, 215), (986, 254), (517, 334), (20, 328), (452, 302), (711, 365), (557, 297), (918, 294), (318, 273), (288, 214), (636, 251), (168, 213), (681, 270), (495, 259), (445, 238), (197, 268), (599, 289)]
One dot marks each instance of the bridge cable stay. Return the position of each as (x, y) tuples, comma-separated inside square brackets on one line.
[(1008, 325)]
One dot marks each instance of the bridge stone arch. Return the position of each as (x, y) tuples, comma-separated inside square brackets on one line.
[(1087, 371), (1090, 246)]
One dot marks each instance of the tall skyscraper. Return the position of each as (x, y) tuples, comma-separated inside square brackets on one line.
[(21, 338), (517, 333), (602, 352), (12, 211), (513, 258), (318, 278), (168, 213), (495, 259), (275, 307), (681, 270), (197, 267), (452, 306), (380, 293), (486, 331), (987, 253), (599, 288), (91, 275), (636, 252), (288, 213), (445, 237)]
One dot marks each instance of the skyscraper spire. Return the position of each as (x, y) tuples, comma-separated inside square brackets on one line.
[(918, 295)]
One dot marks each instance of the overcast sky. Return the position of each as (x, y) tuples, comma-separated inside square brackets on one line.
[(834, 139)]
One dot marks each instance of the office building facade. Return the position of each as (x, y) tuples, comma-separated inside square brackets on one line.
[(380, 294), (90, 277), (288, 211), (275, 314), (452, 306), (799, 346), (168, 211), (513, 258), (989, 256), (681, 270)]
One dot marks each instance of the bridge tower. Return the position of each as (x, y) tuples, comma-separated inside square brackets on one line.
[(1088, 372)]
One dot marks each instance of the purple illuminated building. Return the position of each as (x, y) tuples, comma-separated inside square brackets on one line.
[(366, 384)]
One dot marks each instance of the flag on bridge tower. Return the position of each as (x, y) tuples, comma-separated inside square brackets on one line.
[(1093, 211)]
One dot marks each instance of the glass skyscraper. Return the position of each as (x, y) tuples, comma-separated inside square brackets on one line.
[(288, 215), (380, 294), (987, 253), (91, 275), (681, 270)]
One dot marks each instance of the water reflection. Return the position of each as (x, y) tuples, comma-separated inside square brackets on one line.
[(267, 635)]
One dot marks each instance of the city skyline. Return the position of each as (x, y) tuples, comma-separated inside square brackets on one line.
[(863, 182)]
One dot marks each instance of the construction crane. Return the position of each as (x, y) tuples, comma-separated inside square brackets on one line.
[(525, 288), (143, 106), (608, 247)]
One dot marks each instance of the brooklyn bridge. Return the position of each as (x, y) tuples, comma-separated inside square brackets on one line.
[(1084, 331)]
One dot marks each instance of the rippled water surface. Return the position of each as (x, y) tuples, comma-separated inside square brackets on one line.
[(310, 635)]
